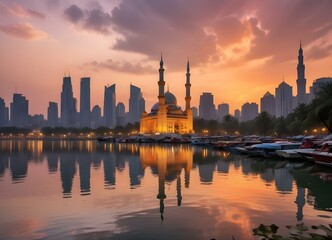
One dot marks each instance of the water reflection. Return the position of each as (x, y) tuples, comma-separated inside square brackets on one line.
[(168, 163)]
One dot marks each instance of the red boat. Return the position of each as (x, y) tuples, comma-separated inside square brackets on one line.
[(324, 155)]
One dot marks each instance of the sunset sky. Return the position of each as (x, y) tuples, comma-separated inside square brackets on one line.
[(238, 49)]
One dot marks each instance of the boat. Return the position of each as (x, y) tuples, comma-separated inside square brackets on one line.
[(324, 155), (308, 145), (106, 139), (269, 149)]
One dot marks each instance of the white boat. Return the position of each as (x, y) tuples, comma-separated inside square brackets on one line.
[(324, 155)]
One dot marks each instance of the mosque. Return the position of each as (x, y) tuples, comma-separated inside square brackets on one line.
[(166, 116)]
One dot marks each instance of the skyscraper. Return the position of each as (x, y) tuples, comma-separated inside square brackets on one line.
[(120, 114), (249, 111), (223, 110), (68, 110), (96, 117), (4, 114), (237, 114), (195, 112), (206, 106), (283, 100), (19, 111), (136, 104), (268, 104), (52, 114), (109, 106), (85, 102), (301, 81)]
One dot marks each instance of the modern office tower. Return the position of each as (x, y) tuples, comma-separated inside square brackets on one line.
[(301, 81), (37, 120), (223, 110), (96, 117), (120, 114), (52, 114), (237, 114), (195, 112), (19, 111), (206, 106), (136, 104), (4, 114), (249, 111), (283, 100), (268, 104), (68, 110), (85, 102), (109, 106)]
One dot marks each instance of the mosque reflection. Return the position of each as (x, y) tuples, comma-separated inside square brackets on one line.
[(169, 163)]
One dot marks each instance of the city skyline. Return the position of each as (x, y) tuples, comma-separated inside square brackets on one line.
[(237, 45)]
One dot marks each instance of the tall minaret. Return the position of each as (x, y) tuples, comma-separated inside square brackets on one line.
[(161, 82), (301, 81), (188, 85)]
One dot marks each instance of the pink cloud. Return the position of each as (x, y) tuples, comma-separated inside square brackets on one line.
[(19, 11), (23, 30)]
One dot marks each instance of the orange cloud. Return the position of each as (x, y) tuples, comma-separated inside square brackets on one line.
[(23, 30)]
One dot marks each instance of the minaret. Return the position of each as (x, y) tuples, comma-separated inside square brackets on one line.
[(161, 82), (188, 85), (301, 81)]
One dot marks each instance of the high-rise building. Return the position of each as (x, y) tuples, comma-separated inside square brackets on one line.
[(223, 110), (237, 114), (96, 117), (109, 106), (4, 114), (249, 111), (85, 102), (283, 99), (120, 114), (19, 111), (268, 104), (68, 108), (206, 106), (301, 81), (195, 112), (136, 104), (52, 114)]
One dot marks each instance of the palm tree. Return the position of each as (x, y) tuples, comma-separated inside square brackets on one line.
[(322, 106), (264, 123)]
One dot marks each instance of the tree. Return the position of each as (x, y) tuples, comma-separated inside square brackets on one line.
[(280, 127), (230, 124), (322, 106), (264, 123)]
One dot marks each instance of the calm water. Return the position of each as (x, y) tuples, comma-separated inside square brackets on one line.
[(89, 190)]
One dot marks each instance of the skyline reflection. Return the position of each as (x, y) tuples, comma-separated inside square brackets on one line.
[(169, 164)]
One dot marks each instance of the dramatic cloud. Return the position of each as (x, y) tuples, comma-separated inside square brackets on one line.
[(210, 31), (94, 19), (123, 66), (318, 52), (19, 11), (23, 30)]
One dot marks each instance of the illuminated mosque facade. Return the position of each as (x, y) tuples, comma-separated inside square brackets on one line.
[(166, 116)]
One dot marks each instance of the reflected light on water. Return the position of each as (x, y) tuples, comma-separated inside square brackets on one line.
[(82, 189)]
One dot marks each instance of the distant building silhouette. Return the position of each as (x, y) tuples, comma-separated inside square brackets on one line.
[(237, 114), (85, 102), (52, 114), (4, 114), (109, 106), (120, 114), (284, 100), (19, 111), (223, 110), (136, 104), (207, 108), (249, 111), (195, 112), (301, 81), (268, 104), (96, 117), (68, 108)]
